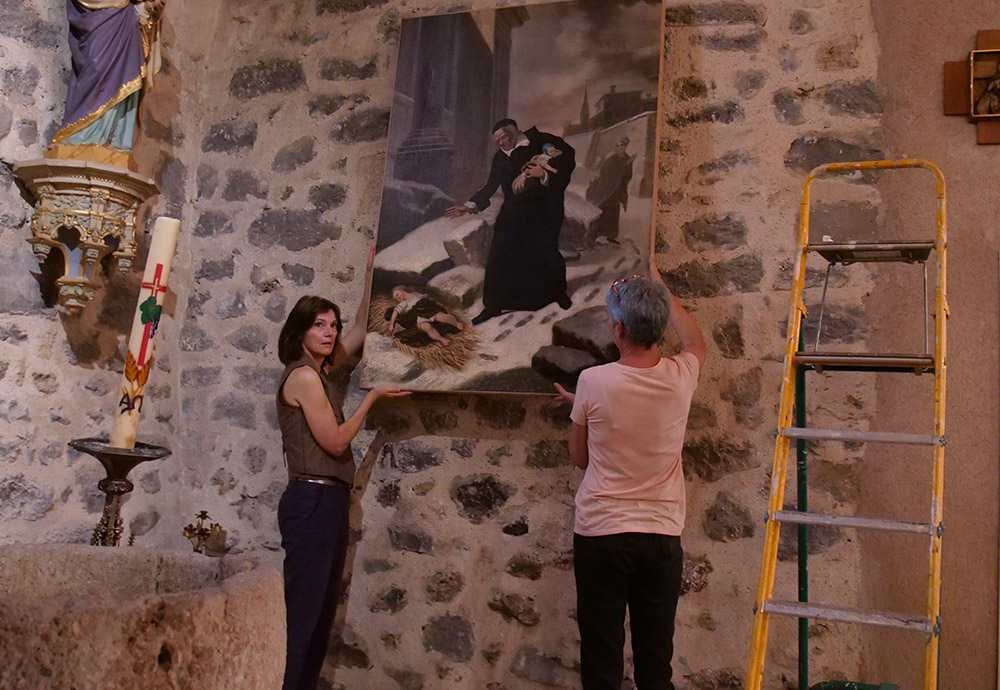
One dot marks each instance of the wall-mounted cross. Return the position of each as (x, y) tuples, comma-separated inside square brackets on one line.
[(972, 87)]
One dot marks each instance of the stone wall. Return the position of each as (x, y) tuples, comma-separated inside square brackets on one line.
[(267, 134)]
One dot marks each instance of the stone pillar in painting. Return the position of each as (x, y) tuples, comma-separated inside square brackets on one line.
[(425, 155)]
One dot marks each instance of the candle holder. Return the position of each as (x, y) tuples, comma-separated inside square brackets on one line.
[(118, 462)]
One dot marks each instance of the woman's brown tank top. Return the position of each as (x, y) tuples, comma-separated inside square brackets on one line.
[(302, 454)]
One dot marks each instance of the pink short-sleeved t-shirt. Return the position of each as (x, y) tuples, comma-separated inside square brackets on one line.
[(635, 419)]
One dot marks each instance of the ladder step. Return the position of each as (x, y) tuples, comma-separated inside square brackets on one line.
[(868, 252), (859, 436), (800, 518), (865, 361), (840, 614)]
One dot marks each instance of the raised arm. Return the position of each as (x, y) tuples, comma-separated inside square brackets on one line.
[(687, 330), (303, 388), (353, 340)]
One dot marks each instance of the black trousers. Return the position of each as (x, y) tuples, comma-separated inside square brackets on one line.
[(643, 573), (313, 520)]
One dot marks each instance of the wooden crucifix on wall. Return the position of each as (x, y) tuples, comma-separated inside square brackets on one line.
[(972, 87)]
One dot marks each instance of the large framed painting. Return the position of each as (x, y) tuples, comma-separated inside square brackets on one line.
[(520, 183)]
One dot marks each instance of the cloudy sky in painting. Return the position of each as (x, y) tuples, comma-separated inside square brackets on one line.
[(564, 46)]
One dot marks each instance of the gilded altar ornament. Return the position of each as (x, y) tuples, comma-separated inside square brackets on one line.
[(211, 538)]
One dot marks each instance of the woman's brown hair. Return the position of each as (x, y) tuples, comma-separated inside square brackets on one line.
[(300, 320)]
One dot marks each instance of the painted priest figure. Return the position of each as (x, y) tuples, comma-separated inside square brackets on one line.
[(524, 269)]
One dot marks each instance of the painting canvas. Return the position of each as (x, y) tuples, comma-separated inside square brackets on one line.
[(519, 185)]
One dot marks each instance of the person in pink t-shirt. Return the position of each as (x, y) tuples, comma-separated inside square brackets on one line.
[(627, 434)]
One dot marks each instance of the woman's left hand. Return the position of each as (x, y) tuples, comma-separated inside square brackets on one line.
[(564, 394)]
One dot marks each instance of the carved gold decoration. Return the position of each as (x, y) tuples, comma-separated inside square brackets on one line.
[(86, 210)]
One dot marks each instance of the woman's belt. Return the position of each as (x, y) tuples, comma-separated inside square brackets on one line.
[(325, 481)]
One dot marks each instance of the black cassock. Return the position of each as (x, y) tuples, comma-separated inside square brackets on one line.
[(524, 270)]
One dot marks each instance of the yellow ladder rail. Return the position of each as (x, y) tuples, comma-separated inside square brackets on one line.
[(796, 317)]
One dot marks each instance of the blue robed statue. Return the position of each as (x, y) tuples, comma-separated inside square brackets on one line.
[(115, 47)]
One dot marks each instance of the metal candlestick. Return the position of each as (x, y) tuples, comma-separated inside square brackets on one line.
[(118, 462)]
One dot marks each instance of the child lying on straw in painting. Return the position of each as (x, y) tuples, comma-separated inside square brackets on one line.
[(417, 310), (421, 326)]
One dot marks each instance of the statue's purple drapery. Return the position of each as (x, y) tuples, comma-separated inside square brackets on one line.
[(108, 63)]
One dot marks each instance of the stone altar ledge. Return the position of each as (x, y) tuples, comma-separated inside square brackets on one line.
[(75, 616)]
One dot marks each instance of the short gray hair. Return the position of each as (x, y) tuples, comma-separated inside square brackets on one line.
[(642, 307)]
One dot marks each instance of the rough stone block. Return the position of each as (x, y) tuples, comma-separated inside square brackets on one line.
[(500, 413), (216, 270), (212, 223), (750, 82), (721, 113), (747, 42), (787, 108), (273, 75), (562, 364), (579, 229), (443, 586), (858, 98), (24, 499), (694, 576), (362, 125), (712, 459), (451, 636), (336, 69), (241, 184), (294, 230), (346, 6), (513, 606), (548, 454), (248, 339), (294, 155), (801, 23), (299, 274), (537, 667), (480, 496), (807, 152), (714, 13), (587, 330), (462, 285), (716, 169), (468, 242), (728, 519), (56, 597), (715, 231), (326, 196), (229, 137), (408, 205), (414, 456), (696, 279), (419, 256)]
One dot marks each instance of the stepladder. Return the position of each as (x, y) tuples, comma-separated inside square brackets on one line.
[(801, 357)]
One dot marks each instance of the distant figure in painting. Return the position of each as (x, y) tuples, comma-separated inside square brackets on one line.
[(115, 49), (416, 310), (609, 188), (524, 269)]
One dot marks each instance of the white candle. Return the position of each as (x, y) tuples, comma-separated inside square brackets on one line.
[(139, 360)]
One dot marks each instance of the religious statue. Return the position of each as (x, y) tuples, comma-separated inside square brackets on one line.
[(989, 101), (115, 46)]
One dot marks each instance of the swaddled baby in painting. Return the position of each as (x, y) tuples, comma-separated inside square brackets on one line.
[(541, 160)]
